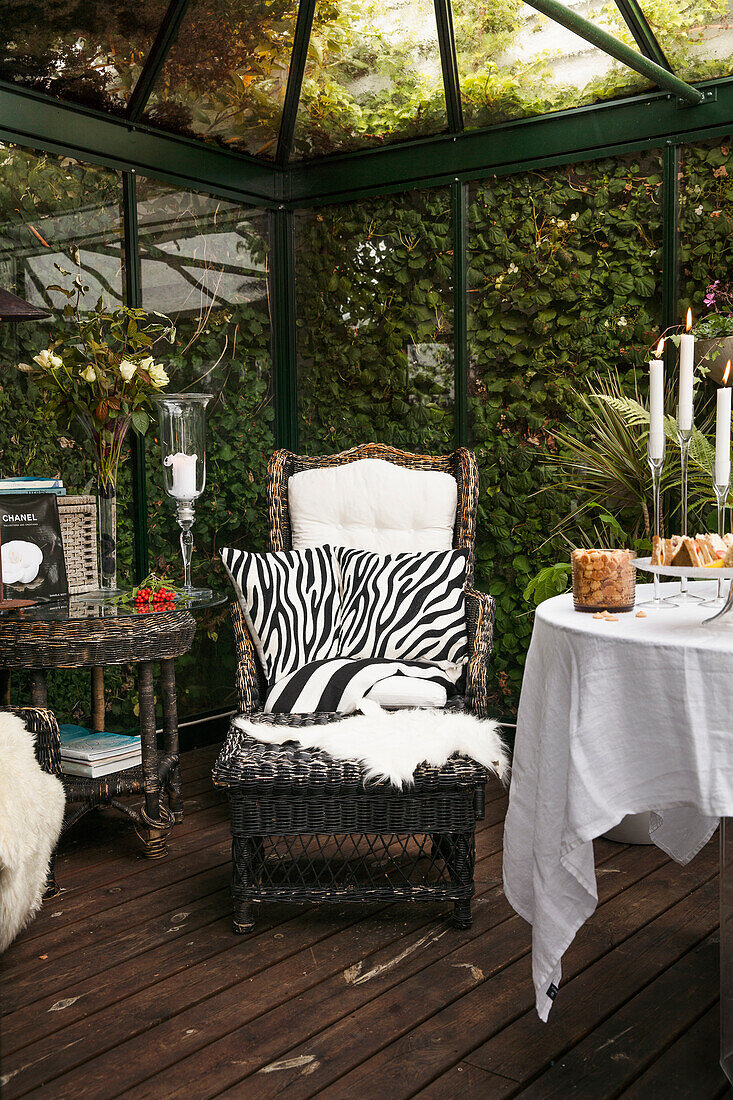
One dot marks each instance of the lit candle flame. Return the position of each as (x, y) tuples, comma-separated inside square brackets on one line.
[(689, 319), (726, 372), (659, 348)]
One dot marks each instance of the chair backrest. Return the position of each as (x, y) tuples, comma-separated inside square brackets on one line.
[(460, 464)]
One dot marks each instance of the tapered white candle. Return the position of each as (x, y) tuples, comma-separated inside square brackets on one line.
[(687, 368), (722, 433), (656, 405)]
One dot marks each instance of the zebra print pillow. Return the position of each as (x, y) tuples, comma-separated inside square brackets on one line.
[(408, 607), (291, 602)]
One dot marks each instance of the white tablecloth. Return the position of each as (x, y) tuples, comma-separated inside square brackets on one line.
[(614, 718)]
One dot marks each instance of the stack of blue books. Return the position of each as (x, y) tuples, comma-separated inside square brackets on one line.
[(12, 485), (90, 754)]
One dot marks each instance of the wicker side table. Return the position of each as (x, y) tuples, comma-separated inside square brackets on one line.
[(74, 636)]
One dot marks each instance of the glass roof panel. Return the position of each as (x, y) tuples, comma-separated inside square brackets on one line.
[(224, 79), (514, 62), (82, 51), (696, 36), (372, 76)]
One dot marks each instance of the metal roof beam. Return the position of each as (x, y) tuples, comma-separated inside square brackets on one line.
[(569, 19), (301, 41), (643, 34), (562, 137), (449, 64), (155, 60), (28, 118)]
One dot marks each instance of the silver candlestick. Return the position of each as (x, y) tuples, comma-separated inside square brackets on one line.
[(656, 465), (721, 496), (684, 436)]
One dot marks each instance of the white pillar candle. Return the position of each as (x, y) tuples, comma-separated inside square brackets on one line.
[(722, 436), (687, 368), (656, 409), (184, 475)]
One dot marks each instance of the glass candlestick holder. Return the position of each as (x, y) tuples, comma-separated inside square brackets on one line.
[(721, 495), (684, 437), (182, 430), (656, 453)]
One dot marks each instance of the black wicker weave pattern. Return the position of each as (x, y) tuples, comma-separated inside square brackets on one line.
[(308, 826), (264, 769), (87, 643), (42, 724), (480, 614), (373, 865), (249, 675)]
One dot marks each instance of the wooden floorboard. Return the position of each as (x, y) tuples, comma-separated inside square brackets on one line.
[(131, 983)]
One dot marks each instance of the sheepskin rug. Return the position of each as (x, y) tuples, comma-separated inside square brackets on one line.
[(31, 815), (391, 744)]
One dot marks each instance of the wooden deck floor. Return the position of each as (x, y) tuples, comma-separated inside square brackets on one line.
[(131, 983)]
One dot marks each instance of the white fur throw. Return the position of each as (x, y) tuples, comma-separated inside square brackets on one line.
[(391, 745), (31, 815)]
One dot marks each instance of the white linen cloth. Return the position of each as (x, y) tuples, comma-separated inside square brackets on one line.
[(614, 718)]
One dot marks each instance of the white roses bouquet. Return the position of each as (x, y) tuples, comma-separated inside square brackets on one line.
[(102, 372)]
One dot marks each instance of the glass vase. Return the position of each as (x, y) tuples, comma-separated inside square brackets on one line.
[(107, 521), (107, 445)]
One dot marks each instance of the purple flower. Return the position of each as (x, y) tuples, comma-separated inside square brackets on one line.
[(709, 298)]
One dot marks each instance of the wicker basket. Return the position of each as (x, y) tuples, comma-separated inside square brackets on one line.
[(78, 516)]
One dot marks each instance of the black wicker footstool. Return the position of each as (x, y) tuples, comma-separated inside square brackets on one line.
[(306, 827)]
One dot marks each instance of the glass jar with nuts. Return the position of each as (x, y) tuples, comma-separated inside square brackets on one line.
[(603, 580)]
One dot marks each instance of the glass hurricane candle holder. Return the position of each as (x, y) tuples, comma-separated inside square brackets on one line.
[(182, 430)]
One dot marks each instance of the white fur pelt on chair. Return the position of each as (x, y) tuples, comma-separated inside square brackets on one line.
[(31, 816), (391, 744)]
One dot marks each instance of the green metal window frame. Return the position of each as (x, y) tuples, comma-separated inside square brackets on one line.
[(656, 120)]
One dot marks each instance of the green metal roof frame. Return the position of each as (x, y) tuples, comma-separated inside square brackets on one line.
[(651, 62), (130, 143)]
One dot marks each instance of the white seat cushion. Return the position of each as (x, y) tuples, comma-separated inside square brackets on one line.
[(408, 691), (373, 505)]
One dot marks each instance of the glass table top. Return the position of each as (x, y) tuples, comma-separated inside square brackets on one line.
[(89, 606)]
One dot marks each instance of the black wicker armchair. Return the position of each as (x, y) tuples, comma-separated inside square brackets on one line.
[(306, 826)]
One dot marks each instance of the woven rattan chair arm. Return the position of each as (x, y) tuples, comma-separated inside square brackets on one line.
[(42, 724), (480, 611), (248, 676)]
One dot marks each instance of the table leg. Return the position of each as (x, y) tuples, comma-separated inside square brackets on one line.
[(5, 687), (170, 735), (157, 820), (726, 946), (39, 691), (98, 700)]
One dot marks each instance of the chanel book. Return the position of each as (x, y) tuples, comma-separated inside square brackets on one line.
[(31, 550)]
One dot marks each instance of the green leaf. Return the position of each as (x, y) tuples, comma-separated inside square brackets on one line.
[(140, 421), (550, 581)]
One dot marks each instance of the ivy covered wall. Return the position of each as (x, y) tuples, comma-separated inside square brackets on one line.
[(564, 288), (564, 285), (374, 305)]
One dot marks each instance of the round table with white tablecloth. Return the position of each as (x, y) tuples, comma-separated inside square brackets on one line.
[(615, 718)]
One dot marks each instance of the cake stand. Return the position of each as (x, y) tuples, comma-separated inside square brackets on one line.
[(696, 572)]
